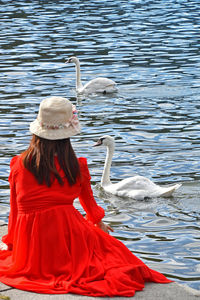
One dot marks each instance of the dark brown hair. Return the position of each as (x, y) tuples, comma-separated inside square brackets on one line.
[(39, 159)]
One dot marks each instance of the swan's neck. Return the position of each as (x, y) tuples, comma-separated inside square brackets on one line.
[(78, 76), (105, 180)]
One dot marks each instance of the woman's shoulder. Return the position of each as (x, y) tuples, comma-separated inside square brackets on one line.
[(16, 162), (82, 161), (13, 161), (84, 167), (15, 166)]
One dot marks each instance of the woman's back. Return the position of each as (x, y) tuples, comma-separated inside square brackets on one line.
[(33, 196)]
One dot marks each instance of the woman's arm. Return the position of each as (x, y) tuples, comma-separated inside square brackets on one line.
[(94, 212), (8, 238)]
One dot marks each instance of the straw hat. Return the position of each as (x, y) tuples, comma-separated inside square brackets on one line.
[(57, 119)]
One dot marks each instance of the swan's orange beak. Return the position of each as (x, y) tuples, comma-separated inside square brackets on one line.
[(98, 143), (69, 60)]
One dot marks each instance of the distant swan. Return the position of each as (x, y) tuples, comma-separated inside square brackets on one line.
[(137, 187), (97, 85)]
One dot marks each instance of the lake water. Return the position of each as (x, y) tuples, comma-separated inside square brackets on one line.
[(152, 50)]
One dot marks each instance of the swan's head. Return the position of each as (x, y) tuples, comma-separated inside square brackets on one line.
[(106, 140), (72, 59)]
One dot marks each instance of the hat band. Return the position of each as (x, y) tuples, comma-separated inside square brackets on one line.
[(72, 122), (54, 127)]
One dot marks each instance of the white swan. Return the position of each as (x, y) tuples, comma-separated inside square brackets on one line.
[(97, 85), (137, 187)]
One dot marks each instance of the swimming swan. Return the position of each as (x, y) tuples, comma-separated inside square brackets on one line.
[(137, 187), (97, 85)]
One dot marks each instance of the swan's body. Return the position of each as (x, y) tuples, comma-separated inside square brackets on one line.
[(97, 85), (137, 187)]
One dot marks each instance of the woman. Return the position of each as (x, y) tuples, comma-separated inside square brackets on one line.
[(52, 248)]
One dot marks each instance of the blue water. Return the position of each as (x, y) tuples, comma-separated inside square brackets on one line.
[(151, 49)]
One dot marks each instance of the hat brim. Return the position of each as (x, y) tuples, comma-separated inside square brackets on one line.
[(54, 134)]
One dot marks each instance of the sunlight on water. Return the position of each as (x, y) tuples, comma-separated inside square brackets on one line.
[(151, 49)]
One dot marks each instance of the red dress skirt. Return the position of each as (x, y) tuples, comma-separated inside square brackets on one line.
[(53, 249)]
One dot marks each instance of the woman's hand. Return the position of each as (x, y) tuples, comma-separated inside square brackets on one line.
[(106, 228)]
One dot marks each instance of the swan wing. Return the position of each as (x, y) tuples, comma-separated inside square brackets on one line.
[(135, 183), (168, 191), (139, 187), (100, 85), (156, 191)]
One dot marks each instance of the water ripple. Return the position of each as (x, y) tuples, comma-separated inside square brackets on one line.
[(151, 49)]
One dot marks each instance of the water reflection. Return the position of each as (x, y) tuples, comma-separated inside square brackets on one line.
[(151, 49)]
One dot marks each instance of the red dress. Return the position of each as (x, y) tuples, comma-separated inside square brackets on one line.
[(53, 249)]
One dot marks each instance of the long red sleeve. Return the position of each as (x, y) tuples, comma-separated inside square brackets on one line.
[(8, 239), (94, 212)]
